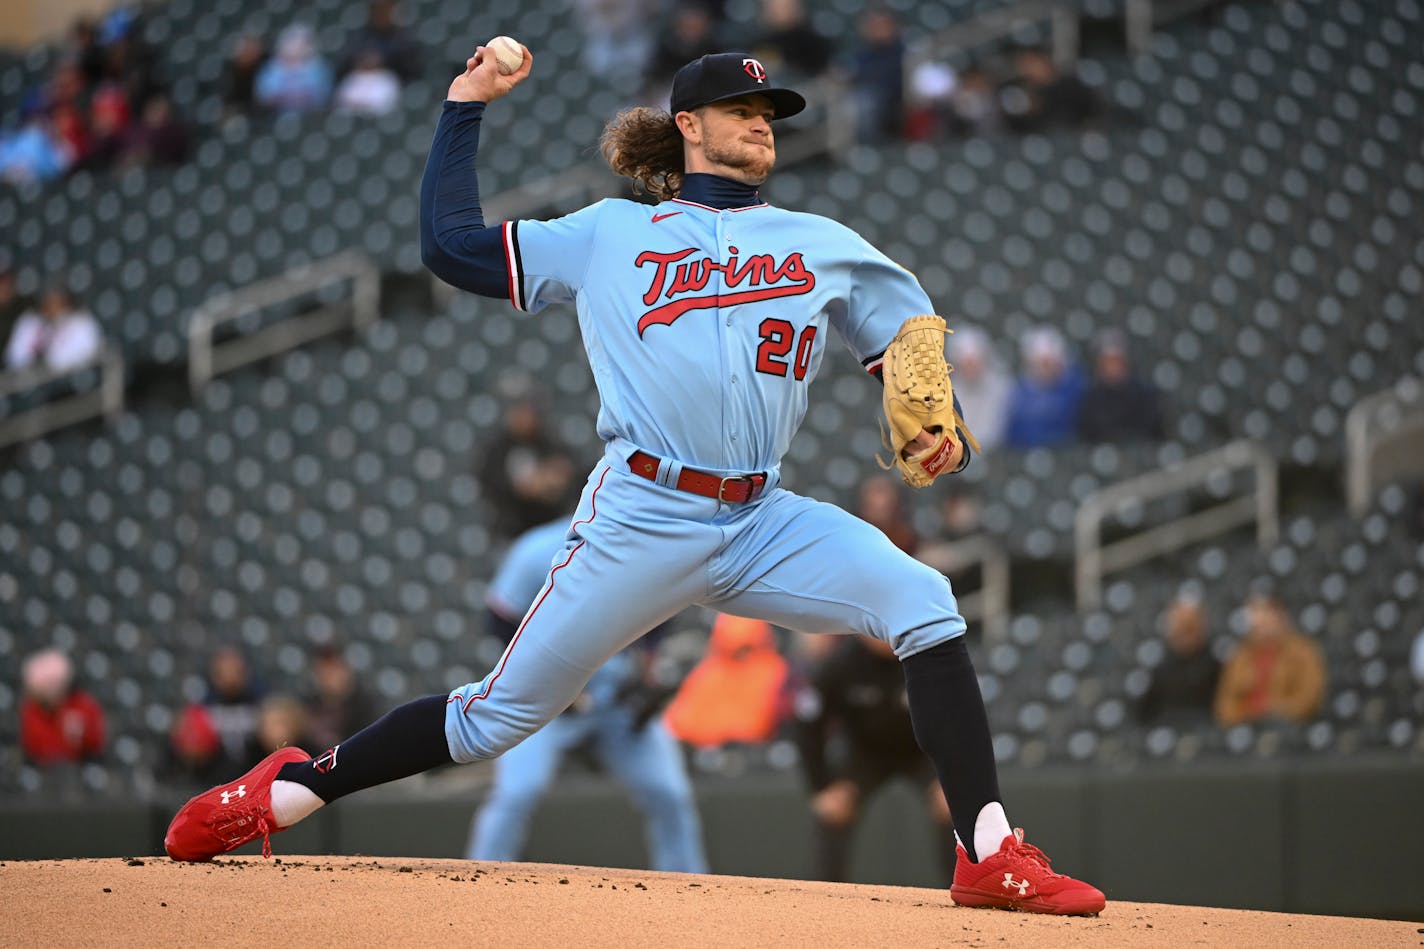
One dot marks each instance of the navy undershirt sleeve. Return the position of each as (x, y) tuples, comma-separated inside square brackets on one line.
[(454, 242)]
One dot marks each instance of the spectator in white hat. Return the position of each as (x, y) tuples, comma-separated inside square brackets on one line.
[(983, 384), (59, 724)]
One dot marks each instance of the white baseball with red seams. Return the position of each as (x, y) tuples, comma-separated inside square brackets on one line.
[(508, 54)]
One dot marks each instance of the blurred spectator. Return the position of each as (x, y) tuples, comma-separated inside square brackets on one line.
[(370, 88), (928, 115), (877, 77), (1043, 411), (64, 101), (857, 698), (789, 43), (717, 10), (738, 692), (1042, 99), (974, 105), (232, 703), (159, 138), (1117, 406), (691, 35), (526, 477), (961, 516), (617, 36), (219, 738), (1275, 672), (961, 511), (281, 721), (84, 49), (396, 49), (338, 706), (110, 118), (200, 752), (34, 152), (12, 304), (128, 61), (882, 505), (240, 81), (59, 724), (983, 384), (296, 78), (57, 335), (117, 24), (1183, 686), (196, 750)]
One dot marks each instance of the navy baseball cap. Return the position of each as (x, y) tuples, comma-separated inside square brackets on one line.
[(719, 76)]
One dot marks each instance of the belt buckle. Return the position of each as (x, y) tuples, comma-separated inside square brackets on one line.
[(722, 487)]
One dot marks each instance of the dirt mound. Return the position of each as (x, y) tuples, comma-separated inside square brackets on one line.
[(310, 900)]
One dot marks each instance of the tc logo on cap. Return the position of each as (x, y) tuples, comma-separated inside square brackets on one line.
[(719, 76)]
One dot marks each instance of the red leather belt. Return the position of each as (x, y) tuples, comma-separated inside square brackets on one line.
[(736, 490)]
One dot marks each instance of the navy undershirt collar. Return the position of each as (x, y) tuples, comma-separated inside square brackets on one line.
[(718, 192)]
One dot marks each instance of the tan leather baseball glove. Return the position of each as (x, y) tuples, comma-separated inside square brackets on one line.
[(918, 396)]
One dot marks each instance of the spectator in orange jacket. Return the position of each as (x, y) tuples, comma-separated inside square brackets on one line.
[(59, 724), (738, 692), (1275, 672)]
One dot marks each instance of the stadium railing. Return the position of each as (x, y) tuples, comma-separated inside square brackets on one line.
[(1383, 434), (209, 356), (1093, 558), (84, 403)]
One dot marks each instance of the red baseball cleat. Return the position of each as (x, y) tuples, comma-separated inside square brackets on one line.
[(229, 815), (1018, 877)]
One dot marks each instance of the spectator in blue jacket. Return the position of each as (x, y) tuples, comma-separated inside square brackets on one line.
[(1043, 412), (34, 152), (297, 79)]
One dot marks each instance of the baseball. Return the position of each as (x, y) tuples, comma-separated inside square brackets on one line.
[(508, 54)]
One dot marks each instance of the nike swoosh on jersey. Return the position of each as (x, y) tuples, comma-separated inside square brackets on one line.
[(659, 217)]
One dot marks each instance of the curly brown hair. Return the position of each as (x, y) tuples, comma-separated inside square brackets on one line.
[(645, 145)]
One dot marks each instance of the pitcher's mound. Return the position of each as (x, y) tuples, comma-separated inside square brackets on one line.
[(352, 901)]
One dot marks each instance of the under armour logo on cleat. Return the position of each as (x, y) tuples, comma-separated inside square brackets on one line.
[(241, 791), (1010, 883)]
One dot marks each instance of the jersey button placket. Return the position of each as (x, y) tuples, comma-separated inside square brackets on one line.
[(728, 346), (726, 216)]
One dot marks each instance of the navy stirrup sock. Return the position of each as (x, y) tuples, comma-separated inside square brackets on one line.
[(407, 740), (950, 724)]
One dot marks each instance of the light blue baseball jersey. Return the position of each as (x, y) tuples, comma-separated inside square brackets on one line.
[(686, 309)]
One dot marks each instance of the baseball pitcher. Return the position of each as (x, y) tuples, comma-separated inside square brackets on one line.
[(705, 318)]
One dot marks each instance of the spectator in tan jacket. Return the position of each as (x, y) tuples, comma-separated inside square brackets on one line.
[(1275, 672)]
